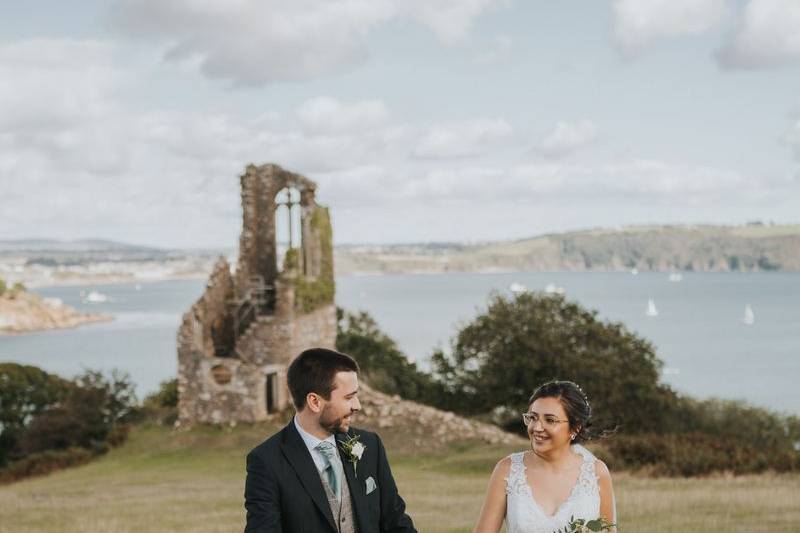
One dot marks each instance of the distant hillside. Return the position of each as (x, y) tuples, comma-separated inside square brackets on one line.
[(750, 248), (83, 245)]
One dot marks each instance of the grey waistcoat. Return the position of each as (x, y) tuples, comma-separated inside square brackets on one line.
[(342, 510)]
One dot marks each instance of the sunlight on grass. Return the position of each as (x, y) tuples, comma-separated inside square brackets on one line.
[(194, 481)]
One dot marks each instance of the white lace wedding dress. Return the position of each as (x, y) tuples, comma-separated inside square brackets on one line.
[(523, 514)]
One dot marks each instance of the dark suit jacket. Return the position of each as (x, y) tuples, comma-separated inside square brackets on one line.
[(283, 491)]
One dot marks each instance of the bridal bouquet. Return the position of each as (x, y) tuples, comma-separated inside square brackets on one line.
[(587, 526)]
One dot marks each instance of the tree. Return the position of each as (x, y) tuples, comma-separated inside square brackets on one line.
[(500, 357), (92, 415), (25, 391), (382, 364)]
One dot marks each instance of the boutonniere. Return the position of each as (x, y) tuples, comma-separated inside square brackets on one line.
[(353, 449)]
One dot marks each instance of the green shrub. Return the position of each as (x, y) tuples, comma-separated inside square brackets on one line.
[(693, 454), (726, 419), (25, 392), (162, 405), (3, 286), (42, 414), (518, 343), (44, 463), (382, 364)]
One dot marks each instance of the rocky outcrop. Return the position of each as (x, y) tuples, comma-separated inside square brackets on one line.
[(424, 426), (23, 312)]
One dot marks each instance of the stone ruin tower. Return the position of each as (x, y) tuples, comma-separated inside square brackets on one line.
[(236, 341)]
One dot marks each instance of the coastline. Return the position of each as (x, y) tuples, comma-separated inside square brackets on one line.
[(23, 312)]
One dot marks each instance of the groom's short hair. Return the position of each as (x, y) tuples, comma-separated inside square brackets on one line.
[(314, 371)]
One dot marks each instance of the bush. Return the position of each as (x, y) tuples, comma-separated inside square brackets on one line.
[(25, 392), (693, 454), (725, 419), (44, 463), (167, 395), (3, 286), (43, 414), (91, 411), (518, 343), (162, 405), (382, 364)]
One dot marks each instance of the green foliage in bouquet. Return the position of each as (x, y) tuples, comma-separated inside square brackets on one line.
[(587, 526)]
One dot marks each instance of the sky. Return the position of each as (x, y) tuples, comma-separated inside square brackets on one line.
[(421, 121)]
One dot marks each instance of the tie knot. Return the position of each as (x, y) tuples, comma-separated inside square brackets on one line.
[(327, 449)]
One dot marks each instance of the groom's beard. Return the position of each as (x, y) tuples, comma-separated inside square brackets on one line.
[(333, 425)]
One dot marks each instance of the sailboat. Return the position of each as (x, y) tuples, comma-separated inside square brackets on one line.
[(749, 317), (95, 297), (651, 308)]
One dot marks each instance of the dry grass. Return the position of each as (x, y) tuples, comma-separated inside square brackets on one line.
[(164, 481)]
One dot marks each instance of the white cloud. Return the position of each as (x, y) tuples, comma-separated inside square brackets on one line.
[(253, 42), (47, 84), (567, 137), (653, 177), (646, 181), (768, 35), (449, 19), (639, 22), (464, 139), (55, 111), (328, 115)]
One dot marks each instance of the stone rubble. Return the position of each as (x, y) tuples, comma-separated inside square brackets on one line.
[(422, 423)]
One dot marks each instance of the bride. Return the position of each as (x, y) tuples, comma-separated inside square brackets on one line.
[(558, 480)]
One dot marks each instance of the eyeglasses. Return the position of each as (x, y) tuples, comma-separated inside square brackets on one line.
[(548, 421)]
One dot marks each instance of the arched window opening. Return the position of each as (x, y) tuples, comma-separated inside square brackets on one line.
[(288, 229)]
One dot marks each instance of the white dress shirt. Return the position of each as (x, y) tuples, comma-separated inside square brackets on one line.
[(311, 443)]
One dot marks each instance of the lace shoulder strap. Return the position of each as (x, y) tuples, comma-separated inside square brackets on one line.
[(516, 482), (588, 476)]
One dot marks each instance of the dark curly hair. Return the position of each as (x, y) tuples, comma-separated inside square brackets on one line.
[(574, 402)]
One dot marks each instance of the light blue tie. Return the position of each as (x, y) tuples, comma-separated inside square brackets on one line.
[(334, 470)]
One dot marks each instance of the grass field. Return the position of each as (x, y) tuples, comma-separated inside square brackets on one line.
[(193, 481)]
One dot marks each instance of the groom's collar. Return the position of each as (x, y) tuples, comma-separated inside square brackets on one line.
[(312, 442)]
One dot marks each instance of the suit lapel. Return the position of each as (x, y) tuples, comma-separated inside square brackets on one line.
[(358, 496), (296, 452)]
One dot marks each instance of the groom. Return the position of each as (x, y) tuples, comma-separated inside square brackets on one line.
[(318, 474)]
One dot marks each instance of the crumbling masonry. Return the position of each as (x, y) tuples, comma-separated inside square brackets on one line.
[(236, 341)]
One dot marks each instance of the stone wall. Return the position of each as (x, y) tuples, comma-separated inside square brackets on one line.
[(207, 321), (227, 376)]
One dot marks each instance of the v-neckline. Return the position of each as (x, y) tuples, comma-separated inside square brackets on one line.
[(569, 496)]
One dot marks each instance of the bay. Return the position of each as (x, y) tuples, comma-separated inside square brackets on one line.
[(699, 333)]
